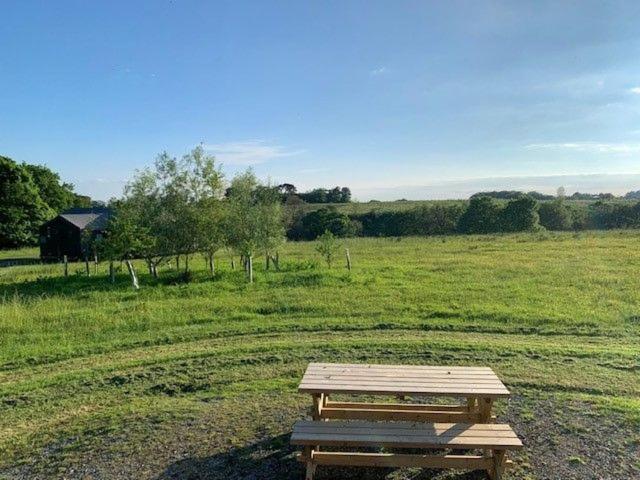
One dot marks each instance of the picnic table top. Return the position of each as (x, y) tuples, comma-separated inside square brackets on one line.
[(402, 380)]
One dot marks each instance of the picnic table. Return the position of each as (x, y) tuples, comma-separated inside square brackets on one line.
[(479, 386)]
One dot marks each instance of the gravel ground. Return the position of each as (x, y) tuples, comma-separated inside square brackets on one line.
[(234, 440)]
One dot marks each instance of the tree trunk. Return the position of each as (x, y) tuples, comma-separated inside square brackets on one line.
[(250, 268), (233, 263), (112, 272), (86, 265), (132, 272), (177, 262), (186, 263), (267, 258), (212, 265)]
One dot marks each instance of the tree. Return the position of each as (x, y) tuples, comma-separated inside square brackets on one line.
[(22, 210), (327, 246), (481, 216), (58, 195), (328, 218), (555, 215), (519, 215), (270, 223), (171, 201), (561, 192)]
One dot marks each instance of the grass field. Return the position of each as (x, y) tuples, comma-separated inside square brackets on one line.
[(199, 380)]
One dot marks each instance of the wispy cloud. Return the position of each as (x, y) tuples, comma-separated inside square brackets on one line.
[(593, 147), (249, 152), (378, 71), (635, 90)]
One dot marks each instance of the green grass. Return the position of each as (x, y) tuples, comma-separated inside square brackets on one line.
[(91, 371)]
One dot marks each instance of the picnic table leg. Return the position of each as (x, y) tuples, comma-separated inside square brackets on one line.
[(471, 404), (318, 403), (311, 467), (497, 469), (485, 405)]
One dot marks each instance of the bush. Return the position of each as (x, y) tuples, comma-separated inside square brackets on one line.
[(555, 215), (315, 223), (435, 219), (481, 216), (519, 216)]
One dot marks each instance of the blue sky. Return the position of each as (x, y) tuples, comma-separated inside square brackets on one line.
[(382, 96)]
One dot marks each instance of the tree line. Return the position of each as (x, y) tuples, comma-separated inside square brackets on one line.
[(481, 214), (29, 196)]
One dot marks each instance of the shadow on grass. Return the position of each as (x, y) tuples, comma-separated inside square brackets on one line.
[(275, 458)]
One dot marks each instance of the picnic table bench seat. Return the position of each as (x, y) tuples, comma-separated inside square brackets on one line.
[(493, 439)]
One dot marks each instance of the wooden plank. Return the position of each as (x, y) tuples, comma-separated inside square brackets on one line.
[(397, 367), (409, 432), (399, 406), (402, 390), (390, 441), (432, 427), (406, 384), (405, 435), (406, 415), (417, 369), (409, 376), (401, 460)]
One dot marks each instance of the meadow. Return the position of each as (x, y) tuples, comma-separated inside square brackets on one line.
[(198, 380)]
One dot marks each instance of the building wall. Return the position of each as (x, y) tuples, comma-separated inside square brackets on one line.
[(58, 238)]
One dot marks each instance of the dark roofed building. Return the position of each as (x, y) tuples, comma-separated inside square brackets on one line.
[(63, 234)]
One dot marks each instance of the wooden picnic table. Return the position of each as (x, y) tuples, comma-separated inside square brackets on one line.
[(480, 386)]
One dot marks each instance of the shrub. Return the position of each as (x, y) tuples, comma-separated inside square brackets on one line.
[(329, 219), (555, 215), (519, 215), (481, 216)]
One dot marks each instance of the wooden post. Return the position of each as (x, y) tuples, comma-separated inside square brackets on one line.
[(266, 259), (497, 469), (250, 268), (471, 404), (95, 262), (66, 266), (132, 272), (112, 273), (311, 467), (86, 265), (485, 405), (348, 260), (212, 266), (233, 263)]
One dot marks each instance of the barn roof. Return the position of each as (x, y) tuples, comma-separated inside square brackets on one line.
[(95, 219)]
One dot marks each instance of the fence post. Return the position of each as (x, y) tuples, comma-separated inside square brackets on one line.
[(86, 265), (250, 268), (348, 260), (95, 262), (66, 266)]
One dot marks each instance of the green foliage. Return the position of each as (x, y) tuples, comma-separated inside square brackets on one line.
[(324, 219), (555, 215), (22, 210), (519, 216), (327, 246), (323, 195), (428, 219), (481, 216), (57, 195)]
